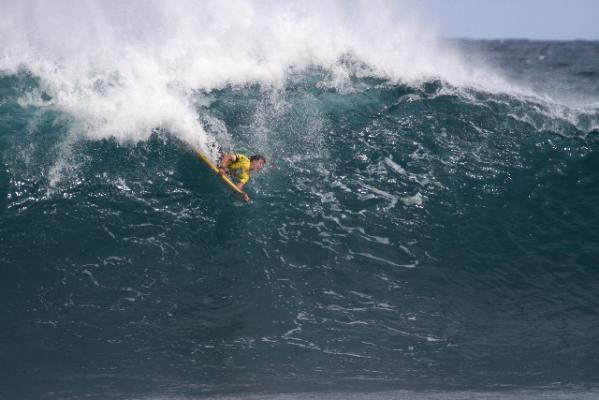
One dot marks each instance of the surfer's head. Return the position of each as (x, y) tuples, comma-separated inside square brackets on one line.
[(257, 162)]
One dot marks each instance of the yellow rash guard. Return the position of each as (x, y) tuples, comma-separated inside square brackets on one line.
[(239, 166)]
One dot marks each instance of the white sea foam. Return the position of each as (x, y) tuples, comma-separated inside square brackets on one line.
[(123, 69)]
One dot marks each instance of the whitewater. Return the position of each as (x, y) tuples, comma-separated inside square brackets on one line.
[(426, 226)]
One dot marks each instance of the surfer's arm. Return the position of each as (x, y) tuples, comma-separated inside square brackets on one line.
[(224, 161), (242, 181), (245, 196)]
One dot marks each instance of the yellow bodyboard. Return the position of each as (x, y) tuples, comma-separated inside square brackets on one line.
[(214, 169)]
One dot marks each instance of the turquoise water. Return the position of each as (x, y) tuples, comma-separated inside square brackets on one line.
[(428, 238)]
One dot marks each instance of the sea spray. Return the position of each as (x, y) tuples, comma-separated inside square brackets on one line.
[(127, 68)]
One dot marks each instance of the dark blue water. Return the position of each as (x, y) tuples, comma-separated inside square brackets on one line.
[(407, 240)]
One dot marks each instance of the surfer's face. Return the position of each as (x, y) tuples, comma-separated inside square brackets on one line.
[(257, 165)]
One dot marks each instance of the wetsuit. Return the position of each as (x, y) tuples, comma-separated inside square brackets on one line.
[(239, 167)]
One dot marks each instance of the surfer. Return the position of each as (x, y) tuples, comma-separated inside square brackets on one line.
[(240, 166)]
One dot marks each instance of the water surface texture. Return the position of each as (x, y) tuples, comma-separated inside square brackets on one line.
[(426, 226)]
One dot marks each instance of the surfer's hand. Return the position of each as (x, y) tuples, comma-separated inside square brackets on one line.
[(221, 171), (246, 198)]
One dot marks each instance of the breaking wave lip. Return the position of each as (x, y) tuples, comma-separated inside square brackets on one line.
[(124, 69)]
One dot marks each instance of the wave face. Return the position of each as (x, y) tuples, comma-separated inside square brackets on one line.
[(427, 221)]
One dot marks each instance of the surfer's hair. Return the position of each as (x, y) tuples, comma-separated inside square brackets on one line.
[(258, 157)]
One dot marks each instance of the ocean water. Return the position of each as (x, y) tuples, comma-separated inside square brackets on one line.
[(426, 227)]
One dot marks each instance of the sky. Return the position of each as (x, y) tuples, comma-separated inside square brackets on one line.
[(498, 19)]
